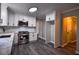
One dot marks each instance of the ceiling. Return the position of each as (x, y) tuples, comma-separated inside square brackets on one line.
[(43, 8)]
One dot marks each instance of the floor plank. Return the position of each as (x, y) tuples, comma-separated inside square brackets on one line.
[(39, 48)]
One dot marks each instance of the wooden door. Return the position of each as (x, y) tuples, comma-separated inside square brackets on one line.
[(69, 30)]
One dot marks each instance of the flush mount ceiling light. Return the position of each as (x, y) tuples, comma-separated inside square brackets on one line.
[(34, 9)]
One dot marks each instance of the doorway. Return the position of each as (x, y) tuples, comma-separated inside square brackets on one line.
[(69, 31)]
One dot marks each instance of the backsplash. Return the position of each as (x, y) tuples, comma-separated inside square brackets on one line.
[(17, 29)]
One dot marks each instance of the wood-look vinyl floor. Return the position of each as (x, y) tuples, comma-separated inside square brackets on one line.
[(40, 48), (71, 47)]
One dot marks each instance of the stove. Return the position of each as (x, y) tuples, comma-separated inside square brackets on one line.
[(23, 37)]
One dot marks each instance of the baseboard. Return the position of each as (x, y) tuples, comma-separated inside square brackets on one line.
[(73, 41), (51, 44), (77, 53), (64, 44), (41, 37), (59, 47), (32, 41)]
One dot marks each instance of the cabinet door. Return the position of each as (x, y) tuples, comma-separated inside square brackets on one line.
[(16, 38), (35, 36), (4, 14), (32, 36), (11, 18), (32, 23)]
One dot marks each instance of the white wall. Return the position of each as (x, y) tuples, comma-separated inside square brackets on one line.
[(52, 33), (50, 28), (40, 29), (48, 32), (51, 15), (43, 29), (58, 29), (37, 26), (40, 26)]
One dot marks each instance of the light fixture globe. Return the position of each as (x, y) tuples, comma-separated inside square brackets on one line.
[(34, 9)]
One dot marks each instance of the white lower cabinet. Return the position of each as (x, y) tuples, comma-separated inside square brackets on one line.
[(32, 36)]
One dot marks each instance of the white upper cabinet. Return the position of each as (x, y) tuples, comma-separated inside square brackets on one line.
[(4, 15), (31, 20), (7, 16), (11, 18), (51, 16)]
